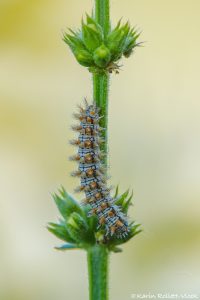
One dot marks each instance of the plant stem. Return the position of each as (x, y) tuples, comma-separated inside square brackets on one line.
[(101, 81), (97, 257), (100, 95), (102, 14)]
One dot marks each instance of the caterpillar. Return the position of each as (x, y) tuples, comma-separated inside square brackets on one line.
[(92, 174)]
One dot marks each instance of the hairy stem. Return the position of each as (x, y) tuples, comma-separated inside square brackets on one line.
[(101, 81), (102, 14), (97, 257), (100, 95)]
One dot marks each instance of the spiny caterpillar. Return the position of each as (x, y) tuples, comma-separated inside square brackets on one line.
[(93, 174)]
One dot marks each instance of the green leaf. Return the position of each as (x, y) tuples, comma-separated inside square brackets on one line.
[(116, 192), (90, 20), (133, 232), (92, 221), (66, 203), (116, 40), (74, 42), (127, 203), (60, 232), (116, 249), (79, 229), (131, 42), (67, 247), (92, 37), (120, 200), (77, 222)]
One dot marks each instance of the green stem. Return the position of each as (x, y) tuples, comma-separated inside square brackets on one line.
[(97, 257), (102, 14), (101, 81), (100, 95)]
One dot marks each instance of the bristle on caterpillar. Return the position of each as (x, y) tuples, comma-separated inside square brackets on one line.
[(92, 173)]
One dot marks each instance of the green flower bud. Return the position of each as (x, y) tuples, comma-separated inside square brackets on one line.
[(92, 36), (84, 58), (116, 40), (99, 52), (131, 43), (102, 56)]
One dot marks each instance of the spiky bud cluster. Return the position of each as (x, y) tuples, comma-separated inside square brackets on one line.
[(100, 52), (80, 232)]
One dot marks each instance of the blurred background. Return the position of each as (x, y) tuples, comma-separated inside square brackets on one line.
[(154, 142)]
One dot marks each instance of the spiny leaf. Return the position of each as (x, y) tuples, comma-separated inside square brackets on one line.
[(92, 37), (90, 20), (77, 222), (60, 231), (74, 42), (67, 247), (91, 221), (120, 199), (66, 203), (127, 203), (134, 230), (116, 192), (79, 229), (116, 249)]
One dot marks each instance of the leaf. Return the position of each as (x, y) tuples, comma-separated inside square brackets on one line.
[(92, 37), (90, 20), (116, 40), (60, 231), (74, 42), (79, 229), (116, 249), (77, 222), (67, 247), (133, 232), (127, 203), (66, 203), (91, 221), (120, 199), (116, 192)]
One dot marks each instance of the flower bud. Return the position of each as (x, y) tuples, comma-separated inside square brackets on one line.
[(116, 40), (84, 58), (92, 37), (102, 56), (131, 43)]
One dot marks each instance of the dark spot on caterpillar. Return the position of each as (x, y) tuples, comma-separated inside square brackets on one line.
[(92, 173)]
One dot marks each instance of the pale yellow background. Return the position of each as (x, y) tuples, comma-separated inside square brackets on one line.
[(154, 137)]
